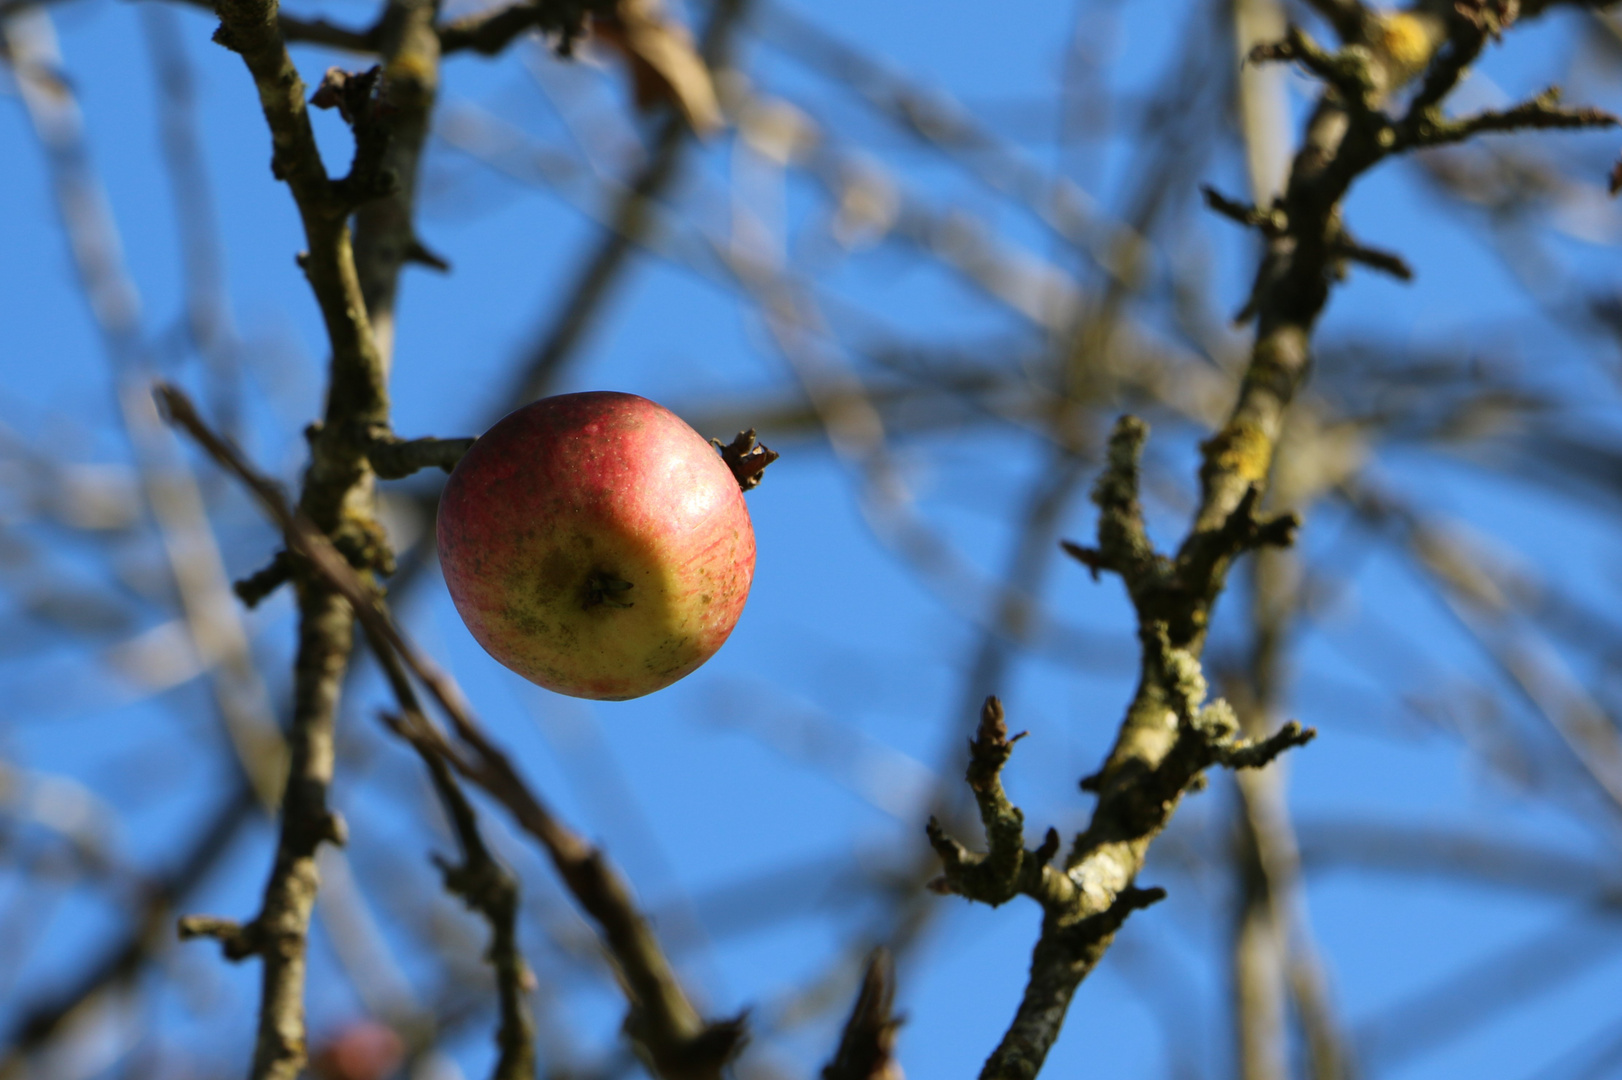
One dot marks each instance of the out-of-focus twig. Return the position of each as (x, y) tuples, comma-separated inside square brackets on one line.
[(577, 306), (866, 1046), (1273, 948), (124, 958), (217, 633)]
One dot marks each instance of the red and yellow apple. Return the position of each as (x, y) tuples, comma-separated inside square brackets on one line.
[(596, 545)]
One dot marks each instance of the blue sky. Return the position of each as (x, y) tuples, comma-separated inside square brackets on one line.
[(729, 773)]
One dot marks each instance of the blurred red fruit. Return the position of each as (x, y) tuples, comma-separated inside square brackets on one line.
[(363, 1050)]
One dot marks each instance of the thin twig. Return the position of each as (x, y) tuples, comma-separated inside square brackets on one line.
[(490, 889), (1007, 869), (1427, 127)]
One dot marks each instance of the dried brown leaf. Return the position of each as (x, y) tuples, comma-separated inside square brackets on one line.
[(665, 66)]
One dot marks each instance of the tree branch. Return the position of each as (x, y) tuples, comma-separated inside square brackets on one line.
[(1348, 71), (336, 502), (322, 32), (385, 232), (489, 32), (1427, 127), (1170, 734), (1006, 869)]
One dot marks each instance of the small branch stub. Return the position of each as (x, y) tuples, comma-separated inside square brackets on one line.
[(1007, 869), (1256, 754), (238, 941), (261, 583), (1269, 223)]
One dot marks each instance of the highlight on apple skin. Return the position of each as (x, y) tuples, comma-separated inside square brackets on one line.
[(596, 545)]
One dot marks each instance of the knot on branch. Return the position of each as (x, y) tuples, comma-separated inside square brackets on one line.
[(361, 99), (238, 941), (746, 458), (482, 883), (324, 826), (866, 1047), (364, 544)]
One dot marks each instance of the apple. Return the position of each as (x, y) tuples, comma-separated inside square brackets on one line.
[(596, 545), (363, 1050)]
